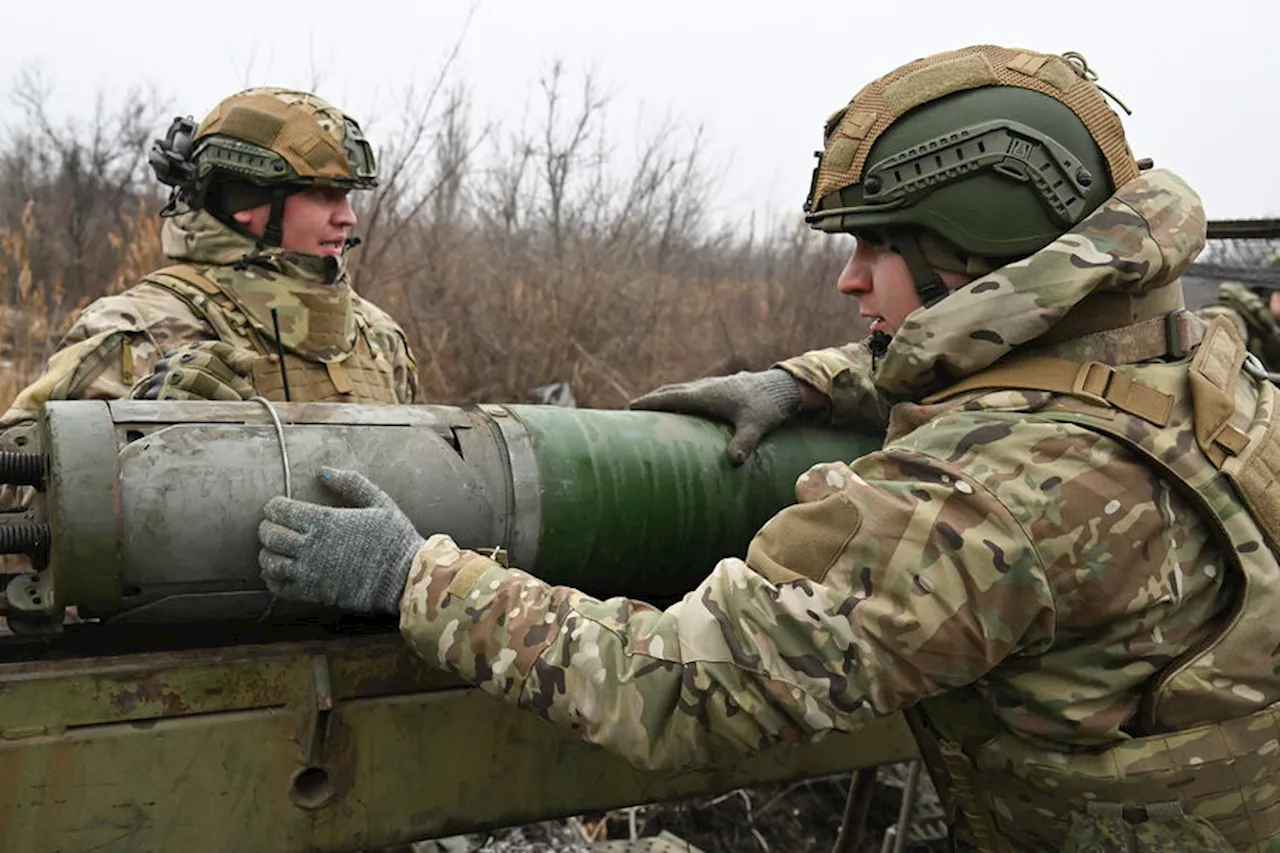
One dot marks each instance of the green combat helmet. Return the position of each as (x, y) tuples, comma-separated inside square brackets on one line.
[(969, 159), (263, 143)]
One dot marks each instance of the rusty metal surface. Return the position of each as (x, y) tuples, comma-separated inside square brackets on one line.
[(328, 746), (51, 696)]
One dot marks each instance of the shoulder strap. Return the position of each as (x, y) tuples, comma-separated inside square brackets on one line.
[(188, 275), (208, 301), (1092, 381)]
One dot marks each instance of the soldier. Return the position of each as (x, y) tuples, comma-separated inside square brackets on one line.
[(1061, 565), (1256, 315), (258, 228)]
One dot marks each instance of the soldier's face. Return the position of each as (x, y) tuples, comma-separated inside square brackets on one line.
[(317, 221), (879, 277)]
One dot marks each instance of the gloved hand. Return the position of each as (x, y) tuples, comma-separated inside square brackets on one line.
[(355, 557), (755, 404), (209, 370)]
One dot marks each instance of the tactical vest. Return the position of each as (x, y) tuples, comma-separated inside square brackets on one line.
[(1185, 784), (356, 373)]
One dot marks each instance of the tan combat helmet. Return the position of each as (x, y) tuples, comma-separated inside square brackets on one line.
[(988, 152), (276, 140)]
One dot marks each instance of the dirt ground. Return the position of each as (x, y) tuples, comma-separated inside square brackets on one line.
[(796, 817)]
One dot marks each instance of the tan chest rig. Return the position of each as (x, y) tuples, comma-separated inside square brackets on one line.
[(334, 362), (1187, 785)]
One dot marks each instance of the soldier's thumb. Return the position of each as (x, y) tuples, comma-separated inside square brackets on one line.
[(354, 488), (238, 359), (744, 442)]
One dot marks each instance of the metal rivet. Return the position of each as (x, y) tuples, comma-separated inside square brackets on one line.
[(872, 185), (1083, 177)]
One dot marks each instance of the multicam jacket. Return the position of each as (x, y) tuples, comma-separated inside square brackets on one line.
[(996, 564), (222, 288), (845, 376)]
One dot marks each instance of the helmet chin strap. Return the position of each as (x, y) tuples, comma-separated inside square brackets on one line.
[(929, 285), (273, 233)]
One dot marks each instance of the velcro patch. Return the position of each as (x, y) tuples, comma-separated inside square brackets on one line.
[(804, 540), (857, 123), (840, 152), (252, 125), (935, 81)]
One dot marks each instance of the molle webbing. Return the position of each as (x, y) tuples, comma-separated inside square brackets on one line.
[(359, 377), (881, 102), (326, 323), (318, 325), (208, 302), (1014, 794)]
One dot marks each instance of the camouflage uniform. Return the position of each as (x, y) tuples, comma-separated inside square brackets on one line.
[(117, 339), (1061, 566), (845, 376), (993, 563), (1251, 314), (225, 285), (338, 346)]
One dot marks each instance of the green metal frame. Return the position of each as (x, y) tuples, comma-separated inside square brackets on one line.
[(334, 745)]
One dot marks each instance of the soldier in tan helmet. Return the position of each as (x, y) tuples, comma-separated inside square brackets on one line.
[(1062, 564), (258, 228), (1255, 311)]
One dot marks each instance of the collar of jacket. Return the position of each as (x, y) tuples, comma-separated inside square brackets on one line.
[(1140, 239), (197, 237)]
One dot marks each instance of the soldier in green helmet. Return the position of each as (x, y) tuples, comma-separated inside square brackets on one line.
[(1061, 566), (258, 228)]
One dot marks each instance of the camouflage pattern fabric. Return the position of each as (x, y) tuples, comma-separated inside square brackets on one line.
[(318, 142), (117, 339), (1036, 564), (1251, 314), (845, 375)]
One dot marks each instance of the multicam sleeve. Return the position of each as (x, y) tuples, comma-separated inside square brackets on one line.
[(113, 344), (844, 375), (892, 580), (1251, 314)]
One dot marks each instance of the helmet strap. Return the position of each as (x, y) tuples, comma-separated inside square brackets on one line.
[(929, 285), (273, 233)]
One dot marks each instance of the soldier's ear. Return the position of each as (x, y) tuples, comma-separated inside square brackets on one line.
[(243, 217), (1275, 303)]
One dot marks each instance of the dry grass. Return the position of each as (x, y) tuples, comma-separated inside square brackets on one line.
[(34, 313), (513, 257)]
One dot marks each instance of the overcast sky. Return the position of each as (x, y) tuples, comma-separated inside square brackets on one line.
[(1202, 78)]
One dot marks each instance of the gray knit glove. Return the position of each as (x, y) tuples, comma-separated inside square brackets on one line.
[(355, 557), (755, 404), (209, 370)]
